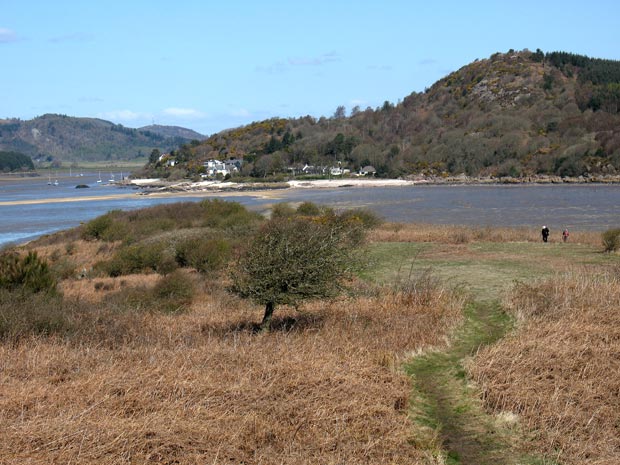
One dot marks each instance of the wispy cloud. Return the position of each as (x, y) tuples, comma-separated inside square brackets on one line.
[(330, 57), (123, 115), (280, 67), (427, 62), (240, 112), (7, 35), (188, 113), (73, 37), (380, 67), (274, 68)]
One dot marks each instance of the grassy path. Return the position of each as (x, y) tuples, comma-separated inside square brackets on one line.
[(451, 422), (448, 408)]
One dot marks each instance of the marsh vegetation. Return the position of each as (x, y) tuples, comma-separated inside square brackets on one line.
[(136, 351)]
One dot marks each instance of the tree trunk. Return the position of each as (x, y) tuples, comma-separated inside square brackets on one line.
[(266, 323)]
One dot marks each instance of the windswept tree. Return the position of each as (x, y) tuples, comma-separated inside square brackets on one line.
[(341, 112), (297, 258)]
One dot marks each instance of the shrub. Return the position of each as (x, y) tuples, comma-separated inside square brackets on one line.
[(308, 209), (204, 254), (174, 292), (230, 216), (64, 268), (171, 294), (31, 314), (367, 218), (282, 210), (611, 240), (137, 258), (29, 273), (291, 260), (106, 228), (70, 248)]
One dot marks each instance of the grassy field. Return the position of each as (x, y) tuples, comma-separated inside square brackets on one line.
[(114, 371), (536, 363)]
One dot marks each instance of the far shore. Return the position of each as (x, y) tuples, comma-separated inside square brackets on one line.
[(272, 190), (150, 186)]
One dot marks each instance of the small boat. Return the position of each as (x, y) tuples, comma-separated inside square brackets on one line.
[(55, 182), (99, 180)]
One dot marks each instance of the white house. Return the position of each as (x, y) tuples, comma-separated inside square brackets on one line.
[(368, 170), (215, 167)]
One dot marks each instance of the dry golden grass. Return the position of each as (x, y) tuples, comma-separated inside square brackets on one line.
[(97, 289), (450, 234), (204, 387), (560, 371)]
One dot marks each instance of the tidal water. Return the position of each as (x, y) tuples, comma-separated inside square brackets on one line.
[(578, 207)]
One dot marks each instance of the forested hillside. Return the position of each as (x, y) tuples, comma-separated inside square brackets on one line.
[(173, 131), (513, 114), (64, 138), (15, 161)]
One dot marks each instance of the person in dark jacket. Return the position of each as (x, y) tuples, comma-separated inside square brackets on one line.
[(545, 233)]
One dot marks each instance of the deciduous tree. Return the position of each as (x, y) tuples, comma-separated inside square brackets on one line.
[(298, 258)]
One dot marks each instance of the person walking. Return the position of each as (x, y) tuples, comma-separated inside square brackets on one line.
[(545, 233), (565, 235)]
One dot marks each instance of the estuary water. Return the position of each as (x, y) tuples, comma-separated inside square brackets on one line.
[(29, 207)]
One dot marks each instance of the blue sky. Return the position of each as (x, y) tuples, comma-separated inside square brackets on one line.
[(211, 65)]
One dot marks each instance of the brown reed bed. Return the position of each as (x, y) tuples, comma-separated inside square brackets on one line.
[(454, 234), (203, 387), (560, 371)]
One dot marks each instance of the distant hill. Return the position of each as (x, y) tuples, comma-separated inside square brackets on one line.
[(173, 131), (513, 114), (66, 138)]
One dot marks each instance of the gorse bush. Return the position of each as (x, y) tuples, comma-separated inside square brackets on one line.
[(172, 293), (138, 258), (104, 228), (282, 210), (203, 253), (29, 273), (308, 209), (137, 225), (151, 242), (611, 240), (32, 314), (230, 217)]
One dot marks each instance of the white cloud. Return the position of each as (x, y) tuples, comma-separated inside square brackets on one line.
[(123, 115), (189, 113), (7, 35), (240, 112)]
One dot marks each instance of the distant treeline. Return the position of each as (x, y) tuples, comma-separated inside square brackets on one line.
[(600, 79), (15, 161)]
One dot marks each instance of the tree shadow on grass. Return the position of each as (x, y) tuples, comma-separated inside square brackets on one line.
[(286, 324)]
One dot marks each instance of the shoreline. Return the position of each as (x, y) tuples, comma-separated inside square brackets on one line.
[(151, 186), (157, 188)]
